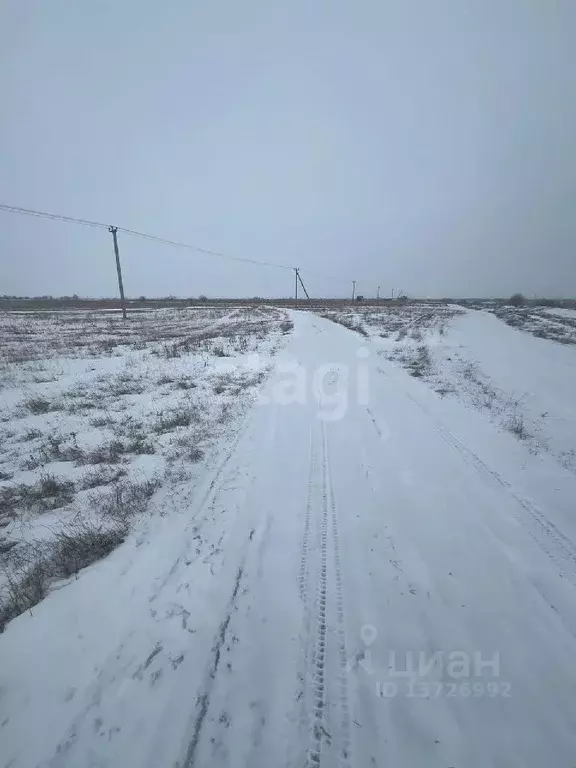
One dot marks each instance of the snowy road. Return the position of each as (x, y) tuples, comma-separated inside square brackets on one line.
[(394, 585)]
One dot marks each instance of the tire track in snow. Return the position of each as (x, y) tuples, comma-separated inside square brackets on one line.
[(304, 567), (340, 617), (298, 752), (318, 729), (329, 595)]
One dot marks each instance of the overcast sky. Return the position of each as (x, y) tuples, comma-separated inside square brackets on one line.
[(419, 145)]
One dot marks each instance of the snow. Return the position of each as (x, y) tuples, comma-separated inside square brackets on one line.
[(266, 617), (562, 312), (556, 324), (94, 392), (539, 373), (521, 382)]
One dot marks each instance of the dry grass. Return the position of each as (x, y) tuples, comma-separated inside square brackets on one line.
[(137, 402), (417, 360), (30, 568), (124, 500), (347, 320), (35, 567), (37, 405), (538, 322), (47, 494), (188, 448), (184, 383), (111, 451), (168, 421), (514, 423), (400, 320), (91, 334), (103, 475)]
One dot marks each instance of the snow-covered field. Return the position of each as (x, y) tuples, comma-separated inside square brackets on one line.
[(99, 415), (555, 324), (570, 313), (374, 565), (524, 383)]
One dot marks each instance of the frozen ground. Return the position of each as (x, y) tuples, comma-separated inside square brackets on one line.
[(367, 573)]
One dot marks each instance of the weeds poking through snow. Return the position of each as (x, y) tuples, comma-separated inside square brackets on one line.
[(184, 383), (32, 567), (420, 364), (514, 423), (417, 361), (35, 566), (124, 501), (539, 322), (165, 354), (168, 422), (104, 475), (347, 322), (38, 405), (83, 544), (102, 421), (140, 445), (47, 494), (395, 320), (30, 434), (107, 453), (189, 449), (52, 492), (125, 385)]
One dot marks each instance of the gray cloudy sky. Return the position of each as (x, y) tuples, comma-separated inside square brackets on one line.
[(421, 145)]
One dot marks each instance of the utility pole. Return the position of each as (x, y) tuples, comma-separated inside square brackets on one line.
[(296, 285), (301, 283), (378, 294), (353, 289), (114, 231)]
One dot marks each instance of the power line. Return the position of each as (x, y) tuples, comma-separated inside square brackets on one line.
[(323, 275), (134, 233), (164, 241), (55, 216), (202, 250)]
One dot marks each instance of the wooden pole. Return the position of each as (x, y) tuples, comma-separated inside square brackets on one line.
[(114, 231)]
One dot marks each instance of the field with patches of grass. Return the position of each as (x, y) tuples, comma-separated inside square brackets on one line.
[(101, 418), (501, 360)]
